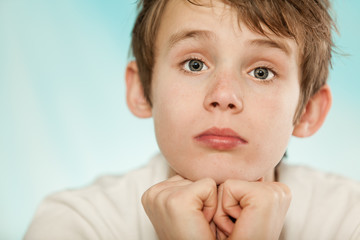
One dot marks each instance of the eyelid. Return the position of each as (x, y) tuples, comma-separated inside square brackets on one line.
[(269, 68), (183, 64)]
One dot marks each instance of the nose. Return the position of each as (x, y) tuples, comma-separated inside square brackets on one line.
[(223, 95)]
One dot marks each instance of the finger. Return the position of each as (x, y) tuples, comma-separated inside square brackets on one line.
[(213, 228), (233, 204), (175, 208), (230, 201), (205, 190), (242, 193), (165, 188), (262, 206), (221, 219), (175, 181), (220, 235)]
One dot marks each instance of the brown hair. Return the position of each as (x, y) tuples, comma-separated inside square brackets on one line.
[(307, 21)]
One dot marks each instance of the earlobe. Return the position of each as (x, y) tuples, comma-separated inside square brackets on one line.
[(314, 113), (135, 98)]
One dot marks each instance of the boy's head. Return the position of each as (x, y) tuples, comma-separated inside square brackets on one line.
[(306, 21), (228, 82)]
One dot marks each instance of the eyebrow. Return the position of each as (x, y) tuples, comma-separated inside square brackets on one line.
[(189, 34), (206, 35), (284, 47)]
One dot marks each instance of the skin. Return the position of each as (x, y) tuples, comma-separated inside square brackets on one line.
[(209, 186), (182, 100)]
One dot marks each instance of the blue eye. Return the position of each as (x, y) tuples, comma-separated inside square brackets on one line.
[(262, 73), (195, 65)]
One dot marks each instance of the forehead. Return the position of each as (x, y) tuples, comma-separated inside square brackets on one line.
[(184, 21)]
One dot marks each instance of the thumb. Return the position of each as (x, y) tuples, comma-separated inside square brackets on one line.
[(221, 219), (206, 191)]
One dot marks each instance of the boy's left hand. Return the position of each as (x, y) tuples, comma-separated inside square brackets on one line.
[(251, 210)]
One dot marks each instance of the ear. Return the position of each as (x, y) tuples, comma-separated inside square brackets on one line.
[(135, 98), (314, 113)]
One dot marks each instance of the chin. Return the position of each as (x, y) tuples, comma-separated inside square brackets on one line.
[(219, 166), (221, 175)]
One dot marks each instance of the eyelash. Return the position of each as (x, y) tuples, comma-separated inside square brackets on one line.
[(189, 59), (269, 68)]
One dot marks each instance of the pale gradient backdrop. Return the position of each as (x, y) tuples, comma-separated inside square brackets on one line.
[(63, 116)]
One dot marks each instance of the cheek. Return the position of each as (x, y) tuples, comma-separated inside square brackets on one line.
[(173, 109), (175, 98), (274, 120), (280, 102)]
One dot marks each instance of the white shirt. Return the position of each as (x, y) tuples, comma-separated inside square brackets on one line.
[(324, 206)]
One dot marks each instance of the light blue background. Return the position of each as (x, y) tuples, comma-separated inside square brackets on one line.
[(63, 116)]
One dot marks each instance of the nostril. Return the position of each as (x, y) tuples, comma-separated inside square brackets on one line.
[(214, 104), (231, 106)]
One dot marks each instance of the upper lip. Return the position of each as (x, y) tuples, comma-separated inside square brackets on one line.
[(222, 132)]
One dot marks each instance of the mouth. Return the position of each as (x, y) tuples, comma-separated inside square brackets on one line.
[(220, 139)]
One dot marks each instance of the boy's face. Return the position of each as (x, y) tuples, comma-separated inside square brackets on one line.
[(223, 97)]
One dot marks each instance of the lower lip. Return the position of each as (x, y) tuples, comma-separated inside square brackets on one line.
[(220, 142)]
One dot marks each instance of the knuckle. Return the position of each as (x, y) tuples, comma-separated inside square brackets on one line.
[(280, 193), (147, 196), (147, 201), (217, 219), (227, 184), (174, 200), (151, 192), (152, 195), (227, 207), (284, 189), (144, 198), (209, 182)]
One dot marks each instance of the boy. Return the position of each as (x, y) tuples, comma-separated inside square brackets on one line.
[(227, 83)]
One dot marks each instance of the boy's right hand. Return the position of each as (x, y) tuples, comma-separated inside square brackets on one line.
[(181, 209)]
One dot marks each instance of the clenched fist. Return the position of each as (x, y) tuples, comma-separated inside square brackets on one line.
[(181, 209), (251, 210)]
